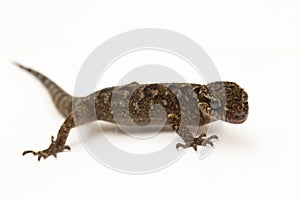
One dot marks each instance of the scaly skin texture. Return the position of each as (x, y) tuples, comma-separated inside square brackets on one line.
[(183, 105)]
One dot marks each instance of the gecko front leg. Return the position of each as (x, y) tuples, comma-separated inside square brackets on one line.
[(185, 133)]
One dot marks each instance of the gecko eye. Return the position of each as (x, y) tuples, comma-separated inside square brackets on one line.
[(214, 102), (197, 90), (244, 97)]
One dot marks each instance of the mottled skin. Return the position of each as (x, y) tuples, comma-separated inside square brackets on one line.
[(184, 105)]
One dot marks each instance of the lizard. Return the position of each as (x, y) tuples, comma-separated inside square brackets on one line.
[(220, 100)]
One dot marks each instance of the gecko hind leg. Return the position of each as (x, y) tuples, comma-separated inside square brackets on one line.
[(58, 145), (52, 150), (83, 114), (199, 141)]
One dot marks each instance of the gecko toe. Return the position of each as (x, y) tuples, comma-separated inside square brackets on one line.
[(30, 151), (67, 147), (209, 140), (202, 136), (194, 147), (179, 145)]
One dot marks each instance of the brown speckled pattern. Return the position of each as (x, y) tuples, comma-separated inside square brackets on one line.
[(184, 105)]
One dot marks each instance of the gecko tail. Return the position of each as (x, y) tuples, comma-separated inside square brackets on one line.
[(61, 99)]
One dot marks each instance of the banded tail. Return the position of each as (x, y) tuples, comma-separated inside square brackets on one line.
[(61, 99)]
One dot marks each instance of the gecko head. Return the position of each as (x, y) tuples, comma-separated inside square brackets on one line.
[(228, 102)]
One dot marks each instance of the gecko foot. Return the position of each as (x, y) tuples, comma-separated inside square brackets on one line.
[(199, 141), (53, 149)]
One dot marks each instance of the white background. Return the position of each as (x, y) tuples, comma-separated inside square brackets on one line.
[(254, 43)]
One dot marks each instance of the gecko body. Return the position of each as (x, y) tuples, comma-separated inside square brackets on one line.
[(183, 105)]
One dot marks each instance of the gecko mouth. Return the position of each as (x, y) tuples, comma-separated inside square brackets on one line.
[(239, 118)]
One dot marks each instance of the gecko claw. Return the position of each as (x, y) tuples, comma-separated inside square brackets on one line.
[(195, 147), (53, 149)]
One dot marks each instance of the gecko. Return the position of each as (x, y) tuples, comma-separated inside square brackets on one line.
[(220, 100)]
